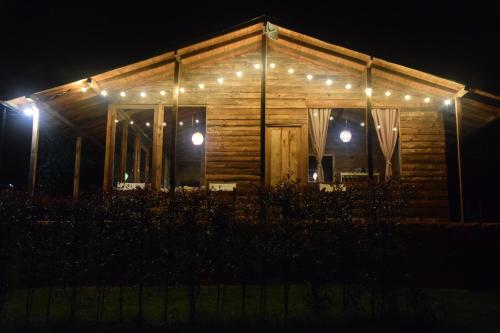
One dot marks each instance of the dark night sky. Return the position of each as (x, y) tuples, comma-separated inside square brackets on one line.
[(44, 44)]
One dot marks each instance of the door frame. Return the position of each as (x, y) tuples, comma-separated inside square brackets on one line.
[(302, 177)]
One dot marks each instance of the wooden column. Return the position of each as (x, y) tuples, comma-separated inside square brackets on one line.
[(458, 117), (76, 174), (146, 166), (263, 55), (157, 151), (123, 151), (109, 155), (35, 135), (370, 124), (173, 121), (137, 156)]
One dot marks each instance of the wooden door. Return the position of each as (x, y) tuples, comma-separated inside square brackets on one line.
[(284, 153)]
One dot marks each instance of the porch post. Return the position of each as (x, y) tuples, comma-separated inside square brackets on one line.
[(263, 55), (76, 174), (109, 155), (35, 135), (146, 165), (137, 156), (123, 151), (173, 120), (458, 117), (369, 120), (157, 147)]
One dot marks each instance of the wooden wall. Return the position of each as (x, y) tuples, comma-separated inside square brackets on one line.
[(423, 158)]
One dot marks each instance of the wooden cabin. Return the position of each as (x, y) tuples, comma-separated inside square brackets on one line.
[(265, 102)]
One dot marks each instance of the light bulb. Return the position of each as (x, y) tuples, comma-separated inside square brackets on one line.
[(345, 135), (388, 93), (328, 82), (162, 92), (239, 73), (131, 122), (256, 66), (447, 102), (197, 139), (84, 89), (368, 91), (407, 97), (220, 80), (123, 94), (143, 94), (181, 123), (272, 65), (427, 100), (201, 86), (147, 124), (348, 86), (182, 90), (291, 70), (104, 93), (309, 77)]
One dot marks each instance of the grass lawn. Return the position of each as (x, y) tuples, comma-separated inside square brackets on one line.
[(470, 311)]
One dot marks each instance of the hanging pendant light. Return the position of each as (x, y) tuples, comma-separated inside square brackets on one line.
[(197, 139), (345, 134)]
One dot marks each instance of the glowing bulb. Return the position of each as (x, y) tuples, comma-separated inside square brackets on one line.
[(162, 92), (331, 117), (182, 90), (220, 80), (256, 66), (239, 73), (116, 120), (388, 93), (378, 126), (315, 114), (315, 176), (447, 102), (28, 111), (348, 86), (147, 124), (84, 89), (181, 123), (272, 65), (123, 94), (309, 77), (291, 70), (345, 135), (197, 139), (394, 129), (368, 91), (201, 86), (427, 100), (131, 122), (164, 124), (143, 94), (196, 121), (104, 93), (328, 82), (362, 124), (407, 97)]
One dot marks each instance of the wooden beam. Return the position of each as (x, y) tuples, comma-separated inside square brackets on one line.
[(173, 120), (458, 121), (146, 166), (370, 124), (76, 174), (123, 151), (263, 55), (109, 154), (137, 156), (157, 151), (35, 135)]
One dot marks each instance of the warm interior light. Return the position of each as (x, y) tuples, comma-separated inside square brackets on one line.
[(447, 102), (348, 86), (345, 135), (331, 117), (328, 82), (197, 138), (182, 90), (256, 66), (427, 100), (362, 124), (368, 91), (378, 126), (131, 122), (143, 94), (181, 123), (164, 124), (84, 89), (147, 124), (162, 92), (394, 129), (309, 77), (196, 121), (291, 70), (272, 65), (239, 73), (315, 114), (407, 97), (220, 80), (116, 120), (201, 86), (123, 93), (104, 93), (388, 93), (28, 111), (315, 176)]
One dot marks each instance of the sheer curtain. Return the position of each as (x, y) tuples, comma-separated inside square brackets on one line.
[(318, 130), (386, 125)]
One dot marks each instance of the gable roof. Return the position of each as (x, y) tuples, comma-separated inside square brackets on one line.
[(241, 36)]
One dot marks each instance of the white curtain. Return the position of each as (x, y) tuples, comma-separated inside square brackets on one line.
[(318, 130), (386, 125)]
